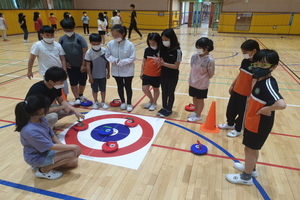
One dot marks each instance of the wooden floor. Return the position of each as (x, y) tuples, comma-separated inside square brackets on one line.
[(169, 170)]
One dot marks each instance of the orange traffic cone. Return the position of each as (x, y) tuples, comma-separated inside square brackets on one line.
[(63, 95), (210, 124)]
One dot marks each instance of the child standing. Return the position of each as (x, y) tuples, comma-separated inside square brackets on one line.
[(121, 53), (22, 23), (264, 100), (119, 15), (240, 90), (102, 24), (3, 27), (53, 21), (202, 69), (37, 24), (150, 70), (115, 19), (171, 56), (106, 17), (42, 149), (85, 20), (98, 69)]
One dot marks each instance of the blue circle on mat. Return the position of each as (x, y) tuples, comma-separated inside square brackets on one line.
[(123, 132)]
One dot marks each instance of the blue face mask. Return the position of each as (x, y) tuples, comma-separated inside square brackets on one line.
[(260, 72)]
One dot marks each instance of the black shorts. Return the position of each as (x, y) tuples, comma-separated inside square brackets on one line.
[(99, 85), (254, 140), (199, 94), (101, 32), (76, 76), (154, 81), (54, 26)]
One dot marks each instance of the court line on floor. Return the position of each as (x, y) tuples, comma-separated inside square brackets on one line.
[(256, 183)]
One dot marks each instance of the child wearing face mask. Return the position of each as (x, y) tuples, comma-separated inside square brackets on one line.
[(3, 27), (85, 21), (42, 149), (106, 17), (98, 69), (170, 58), (102, 24), (37, 24), (150, 70), (53, 21), (240, 90), (259, 119), (202, 69), (121, 53)]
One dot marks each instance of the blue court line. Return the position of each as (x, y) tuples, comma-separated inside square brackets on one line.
[(6, 125), (37, 190), (256, 183)]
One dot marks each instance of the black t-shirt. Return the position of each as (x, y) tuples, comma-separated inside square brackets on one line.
[(41, 88), (133, 15), (171, 56), (24, 24), (150, 52)]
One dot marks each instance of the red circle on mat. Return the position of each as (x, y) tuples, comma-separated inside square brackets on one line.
[(147, 135)]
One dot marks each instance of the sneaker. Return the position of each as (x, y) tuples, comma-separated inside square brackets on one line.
[(83, 98), (129, 108), (147, 105), (194, 119), (152, 107), (104, 105), (141, 37), (225, 126), (192, 115), (123, 106), (241, 167), (165, 113), (25, 41), (128, 38), (160, 111), (96, 105), (77, 102), (108, 34), (52, 175), (234, 133), (33, 168), (236, 178)]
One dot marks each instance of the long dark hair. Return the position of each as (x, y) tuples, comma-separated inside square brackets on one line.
[(25, 109), (205, 43), (169, 33), (155, 37), (101, 16), (120, 29), (21, 16), (35, 16)]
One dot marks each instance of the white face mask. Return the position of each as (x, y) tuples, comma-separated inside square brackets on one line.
[(247, 56), (69, 34), (48, 40), (166, 43), (154, 48), (118, 14), (200, 51), (96, 47), (118, 39), (58, 86)]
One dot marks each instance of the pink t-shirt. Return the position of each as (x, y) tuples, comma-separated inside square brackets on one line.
[(202, 69)]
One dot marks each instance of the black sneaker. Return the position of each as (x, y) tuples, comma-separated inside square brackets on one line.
[(165, 113), (160, 111)]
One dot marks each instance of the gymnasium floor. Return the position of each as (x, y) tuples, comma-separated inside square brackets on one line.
[(169, 170)]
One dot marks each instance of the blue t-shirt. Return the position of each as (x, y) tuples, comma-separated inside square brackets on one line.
[(36, 140), (85, 19)]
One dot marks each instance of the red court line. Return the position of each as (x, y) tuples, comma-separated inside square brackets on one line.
[(11, 122), (226, 157), (11, 98)]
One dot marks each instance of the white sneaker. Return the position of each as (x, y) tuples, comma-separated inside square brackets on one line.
[(52, 175), (147, 105), (141, 37), (77, 102), (225, 126), (194, 119), (123, 106), (108, 34), (33, 168), (129, 108), (233, 133), (236, 178), (96, 105), (83, 98), (152, 107), (241, 167), (25, 41), (192, 115), (104, 105)]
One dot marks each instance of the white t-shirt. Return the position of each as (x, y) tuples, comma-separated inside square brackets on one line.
[(48, 55), (115, 20), (103, 24)]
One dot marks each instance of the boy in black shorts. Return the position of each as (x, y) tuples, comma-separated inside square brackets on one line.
[(264, 100)]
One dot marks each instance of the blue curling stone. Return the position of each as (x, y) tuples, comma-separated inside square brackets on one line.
[(106, 130), (86, 103), (195, 149)]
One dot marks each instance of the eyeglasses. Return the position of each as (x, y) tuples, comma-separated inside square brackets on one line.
[(261, 65)]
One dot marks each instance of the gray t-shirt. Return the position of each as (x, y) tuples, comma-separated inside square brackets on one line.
[(98, 62), (73, 48), (36, 139)]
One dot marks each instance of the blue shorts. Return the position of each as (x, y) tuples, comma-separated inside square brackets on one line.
[(49, 159)]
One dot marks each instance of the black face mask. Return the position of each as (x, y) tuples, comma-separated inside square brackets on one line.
[(260, 72)]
